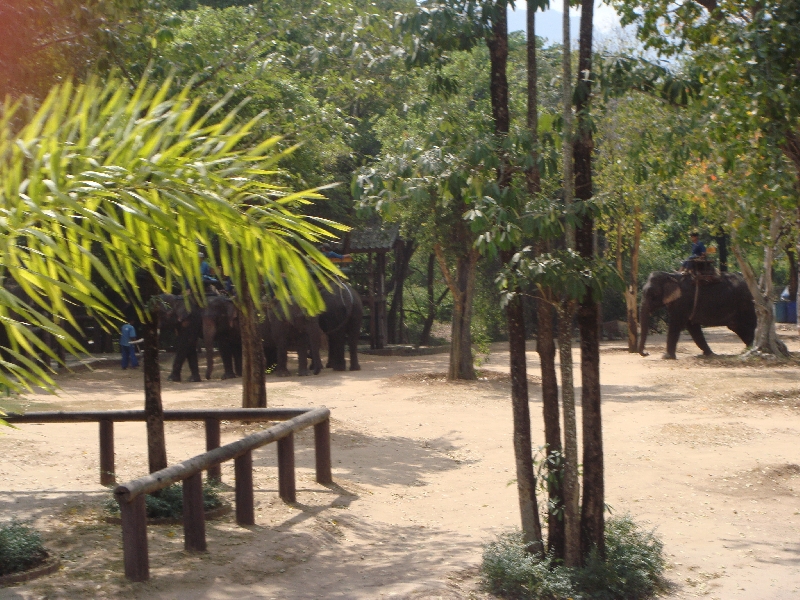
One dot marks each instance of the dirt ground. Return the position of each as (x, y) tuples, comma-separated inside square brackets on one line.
[(703, 450)]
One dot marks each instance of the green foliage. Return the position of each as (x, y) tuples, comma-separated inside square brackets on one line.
[(633, 568), (145, 178), (20, 548), (168, 503)]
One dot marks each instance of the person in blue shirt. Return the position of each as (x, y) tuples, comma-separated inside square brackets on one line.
[(329, 253), (127, 346), (698, 250)]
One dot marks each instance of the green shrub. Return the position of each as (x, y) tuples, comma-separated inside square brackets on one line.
[(168, 503), (20, 548), (632, 570)]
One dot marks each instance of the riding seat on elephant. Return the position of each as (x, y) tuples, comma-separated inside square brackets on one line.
[(694, 302)]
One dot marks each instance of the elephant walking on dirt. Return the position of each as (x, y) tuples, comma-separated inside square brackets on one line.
[(281, 332), (341, 322), (692, 303)]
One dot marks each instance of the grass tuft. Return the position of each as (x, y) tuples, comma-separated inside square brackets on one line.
[(20, 548), (633, 568), (168, 503)]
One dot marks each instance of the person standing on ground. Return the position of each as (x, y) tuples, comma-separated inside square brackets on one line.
[(127, 346)]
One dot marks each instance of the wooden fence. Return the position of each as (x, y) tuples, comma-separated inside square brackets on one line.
[(131, 495)]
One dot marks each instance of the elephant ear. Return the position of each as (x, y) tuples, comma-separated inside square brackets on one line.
[(672, 291)]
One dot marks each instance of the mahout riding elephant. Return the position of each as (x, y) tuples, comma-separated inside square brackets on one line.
[(341, 322), (290, 329), (693, 302)]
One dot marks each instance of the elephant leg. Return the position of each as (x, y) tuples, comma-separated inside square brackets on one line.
[(697, 335), (336, 344), (352, 342), (177, 362), (314, 341), (302, 357), (673, 333), (191, 357), (282, 356), (745, 333), (209, 333), (226, 353)]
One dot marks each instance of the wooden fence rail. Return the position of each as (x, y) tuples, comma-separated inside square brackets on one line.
[(131, 495), (106, 419)]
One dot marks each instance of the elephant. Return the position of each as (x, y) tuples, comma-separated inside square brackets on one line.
[(341, 322), (694, 302), (217, 321), (281, 332), (173, 313), (221, 325)]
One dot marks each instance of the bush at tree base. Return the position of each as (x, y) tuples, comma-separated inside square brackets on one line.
[(20, 548), (633, 568), (168, 503)]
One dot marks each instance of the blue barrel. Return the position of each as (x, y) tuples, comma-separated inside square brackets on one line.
[(780, 312), (791, 312)]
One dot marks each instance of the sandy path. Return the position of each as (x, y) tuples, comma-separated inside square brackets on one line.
[(422, 471)]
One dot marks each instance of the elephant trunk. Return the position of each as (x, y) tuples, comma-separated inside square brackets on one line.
[(644, 319)]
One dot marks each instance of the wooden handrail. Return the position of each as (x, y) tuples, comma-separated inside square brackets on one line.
[(223, 414), (161, 479)]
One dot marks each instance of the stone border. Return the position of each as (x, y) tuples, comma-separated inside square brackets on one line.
[(50, 565), (214, 513)]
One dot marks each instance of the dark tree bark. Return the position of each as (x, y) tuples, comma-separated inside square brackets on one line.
[(153, 409), (593, 508), (433, 303), (546, 347), (403, 253), (254, 388), (463, 290), (792, 272), (526, 481)]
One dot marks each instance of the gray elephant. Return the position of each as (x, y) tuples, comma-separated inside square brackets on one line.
[(216, 322), (281, 332), (341, 322), (187, 321), (692, 303)]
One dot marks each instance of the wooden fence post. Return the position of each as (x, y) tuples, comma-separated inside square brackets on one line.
[(286, 485), (107, 452), (322, 448), (243, 470), (212, 441), (134, 539), (194, 517)]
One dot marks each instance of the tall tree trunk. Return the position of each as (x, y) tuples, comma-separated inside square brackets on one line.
[(425, 337), (153, 409), (566, 149), (570, 483), (463, 290), (792, 257), (593, 508), (394, 319), (526, 481), (254, 388), (766, 340), (545, 346), (632, 289)]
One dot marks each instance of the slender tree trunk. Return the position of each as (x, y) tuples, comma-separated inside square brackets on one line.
[(463, 290), (570, 483), (153, 409), (566, 149), (632, 289), (545, 346), (425, 337), (394, 319), (766, 340), (593, 508), (792, 257), (254, 389)]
